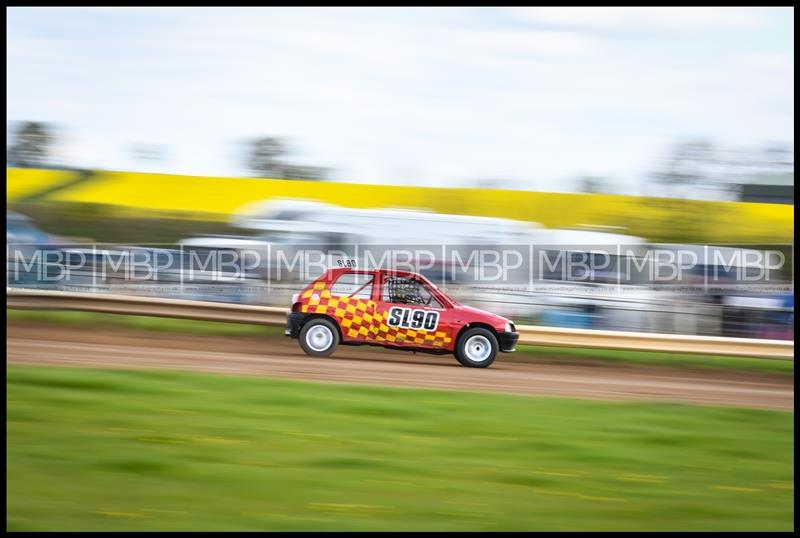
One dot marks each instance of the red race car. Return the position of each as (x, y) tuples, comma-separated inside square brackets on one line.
[(394, 309)]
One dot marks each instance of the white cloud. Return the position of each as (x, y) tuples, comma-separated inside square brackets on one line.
[(644, 18), (775, 62), (382, 98), (538, 43)]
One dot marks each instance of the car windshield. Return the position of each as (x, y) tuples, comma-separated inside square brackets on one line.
[(431, 286)]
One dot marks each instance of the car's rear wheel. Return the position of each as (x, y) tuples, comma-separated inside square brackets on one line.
[(477, 348), (319, 337)]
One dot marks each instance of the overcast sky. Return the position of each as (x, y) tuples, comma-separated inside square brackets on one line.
[(420, 96)]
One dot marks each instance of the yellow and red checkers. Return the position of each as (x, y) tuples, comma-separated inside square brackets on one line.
[(360, 319)]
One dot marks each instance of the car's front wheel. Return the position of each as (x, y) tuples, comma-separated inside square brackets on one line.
[(477, 348), (319, 337)]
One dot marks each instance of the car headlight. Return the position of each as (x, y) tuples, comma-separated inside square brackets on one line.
[(509, 327)]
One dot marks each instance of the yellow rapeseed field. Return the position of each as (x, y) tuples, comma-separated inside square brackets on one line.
[(216, 198), (22, 182)]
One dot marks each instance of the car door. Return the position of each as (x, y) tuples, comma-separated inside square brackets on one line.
[(412, 315), (350, 302)]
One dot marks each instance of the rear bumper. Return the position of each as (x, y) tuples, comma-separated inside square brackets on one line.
[(508, 341), (294, 322)]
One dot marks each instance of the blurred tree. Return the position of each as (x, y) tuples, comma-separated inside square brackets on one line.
[(594, 185), (778, 157), (314, 173), (266, 159), (691, 165), (149, 152), (492, 183), (31, 145), (698, 169)]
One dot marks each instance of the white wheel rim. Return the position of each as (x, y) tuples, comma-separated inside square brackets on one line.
[(478, 348), (319, 338)]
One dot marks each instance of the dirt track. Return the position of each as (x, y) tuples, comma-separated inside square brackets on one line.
[(517, 374)]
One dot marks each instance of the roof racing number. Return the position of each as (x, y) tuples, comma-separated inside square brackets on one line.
[(412, 318)]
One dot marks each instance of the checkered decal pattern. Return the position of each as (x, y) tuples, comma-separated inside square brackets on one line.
[(359, 319)]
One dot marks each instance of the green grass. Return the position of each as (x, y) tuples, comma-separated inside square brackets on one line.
[(138, 450), (684, 360), (538, 352), (145, 323)]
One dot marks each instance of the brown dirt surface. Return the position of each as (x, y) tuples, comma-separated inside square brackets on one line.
[(29, 343)]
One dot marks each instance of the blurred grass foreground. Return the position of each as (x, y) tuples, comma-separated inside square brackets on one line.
[(215, 199), (137, 450)]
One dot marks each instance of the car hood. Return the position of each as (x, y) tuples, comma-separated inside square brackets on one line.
[(469, 314)]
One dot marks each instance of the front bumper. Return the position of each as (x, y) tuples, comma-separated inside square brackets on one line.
[(294, 322), (508, 341)]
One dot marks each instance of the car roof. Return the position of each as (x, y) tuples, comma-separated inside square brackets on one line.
[(390, 272)]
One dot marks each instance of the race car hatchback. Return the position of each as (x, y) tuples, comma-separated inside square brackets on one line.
[(394, 309)]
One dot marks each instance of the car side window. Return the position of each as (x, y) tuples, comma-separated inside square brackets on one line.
[(403, 290), (357, 285)]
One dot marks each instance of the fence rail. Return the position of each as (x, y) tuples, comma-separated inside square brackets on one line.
[(28, 299)]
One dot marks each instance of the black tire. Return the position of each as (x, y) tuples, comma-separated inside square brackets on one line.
[(482, 342), (313, 337)]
